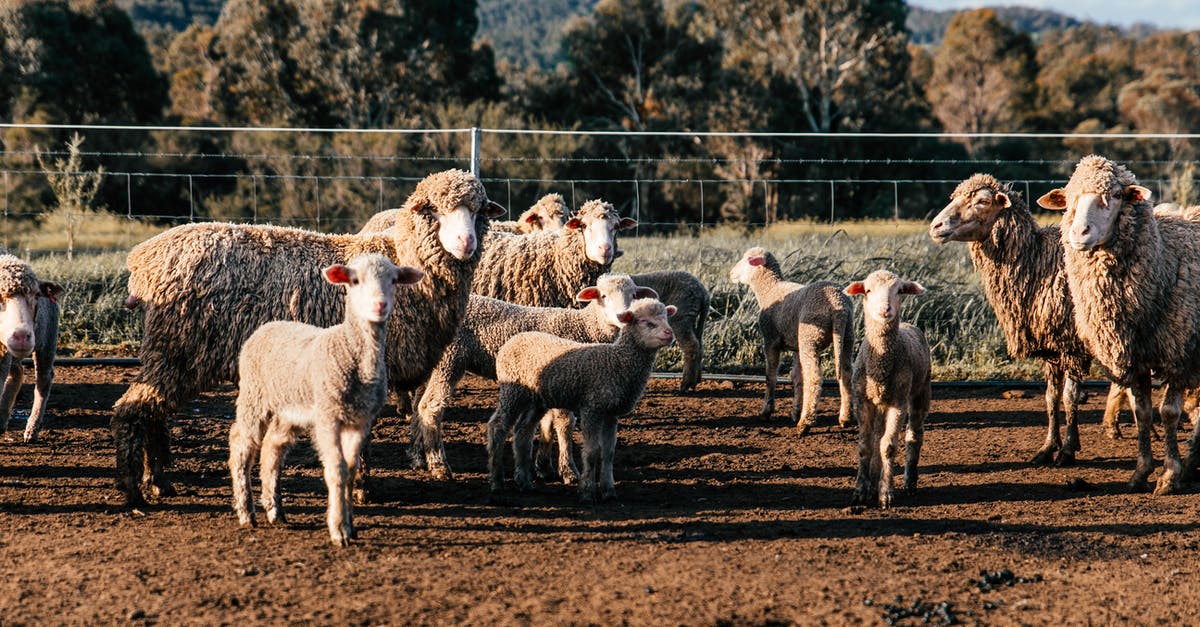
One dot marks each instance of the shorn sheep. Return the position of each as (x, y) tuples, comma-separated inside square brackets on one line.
[(547, 214), (801, 318), (203, 288), (891, 387), (489, 323), (29, 316), (1021, 268), (599, 382), (1133, 281), (691, 299), (332, 383)]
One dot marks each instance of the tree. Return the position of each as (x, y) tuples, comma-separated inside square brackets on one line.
[(1081, 71), (74, 190), (982, 76)]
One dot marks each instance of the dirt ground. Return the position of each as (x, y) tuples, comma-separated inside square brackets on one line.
[(721, 518)]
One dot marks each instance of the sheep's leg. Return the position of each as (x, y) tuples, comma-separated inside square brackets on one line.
[(567, 470), (806, 389), (593, 434), (1070, 401), (1193, 456), (867, 415), (843, 348), (426, 425), (689, 345), (158, 457), (914, 437), (43, 368), (141, 404), (543, 448), (522, 444), (1112, 411), (555, 425), (1170, 409), (1139, 401), (13, 373), (497, 429), (244, 437), (893, 418), (1054, 389), (327, 440), (275, 445), (351, 446), (608, 486), (772, 355)]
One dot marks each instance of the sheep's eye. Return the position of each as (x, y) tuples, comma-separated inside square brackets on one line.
[(1117, 194), (353, 281)]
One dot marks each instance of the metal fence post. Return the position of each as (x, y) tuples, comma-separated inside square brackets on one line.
[(191, 202), (475, 151), (896, 201), (831, 201)]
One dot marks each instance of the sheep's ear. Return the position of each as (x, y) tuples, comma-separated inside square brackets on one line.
[(574, 223), (418, 205), (625, 317), (645, 292), (1136, 194), (757, 261), (618, 254), (534, 218), (50, 290), (671, 309), (854, 289), (1055, 200), (911, 287), (626, 223), (337, 274), (1003, 200), (408, 275), (588, 294), (494, 209)]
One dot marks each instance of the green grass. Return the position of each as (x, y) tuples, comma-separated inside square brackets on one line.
[(960, 326)]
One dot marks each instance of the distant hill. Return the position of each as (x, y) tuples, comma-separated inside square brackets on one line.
[(173, 14), (928, 27), (527, 32)]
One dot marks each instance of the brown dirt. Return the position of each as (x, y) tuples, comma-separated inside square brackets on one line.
[(722, 518)]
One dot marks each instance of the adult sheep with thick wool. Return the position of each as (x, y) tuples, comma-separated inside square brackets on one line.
[(29, 315), (203, 288), (1135, 285)]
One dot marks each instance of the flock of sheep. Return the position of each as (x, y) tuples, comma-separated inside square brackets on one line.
[(318, 329)]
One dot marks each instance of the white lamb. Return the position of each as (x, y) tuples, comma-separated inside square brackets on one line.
[(331, 382), (891, 386)]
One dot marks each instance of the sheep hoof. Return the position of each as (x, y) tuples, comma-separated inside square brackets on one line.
[(440, 473), (569, 476), (161, 490), (1044, 457), (859, 499), (416, 459), (1167, 484), (1065, 459), (134, 499), (802, 428), (1138, 485), (1112, 432), (339, 541)]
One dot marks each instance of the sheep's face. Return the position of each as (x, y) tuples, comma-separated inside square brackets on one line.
[(370, 282), (881, 292), (1094, 198), (546, 215), (456, 228), (970, 215), (751, 263), (17, 312), (648, 318), (599, 223), (614, 294)]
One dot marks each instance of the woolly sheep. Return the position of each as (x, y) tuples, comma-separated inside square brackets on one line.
[(330, 382), (547, 269), (891, 387), (599, 382), (690, 298), (487, 325), (29, 315), (1137, 306), (1021, 268), (546, 214), (801, 318), (203, 288)]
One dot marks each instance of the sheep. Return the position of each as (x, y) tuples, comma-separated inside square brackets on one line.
[(547, 269), (1021, 268), (29, 315), (599, 382), (203, 288), (1133, 284), (690, 298), (380, 222), (801, 318), (891, 387), (330, 382), (487, 325), (546, 214)]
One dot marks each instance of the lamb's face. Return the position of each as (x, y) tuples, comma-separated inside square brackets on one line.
[(371, 282), (17, 312), (751, 263), (598, 222), (970, 215), (881, 292), (1094, 198), (614, 294), (648, 317)]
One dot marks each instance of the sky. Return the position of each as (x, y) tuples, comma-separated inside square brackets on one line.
[(1184, 14)]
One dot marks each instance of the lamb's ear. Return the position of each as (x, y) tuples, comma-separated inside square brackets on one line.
[(534, 218), (757, 261), (588, 294), (494, 209), (1003, 200), (911, 287), (574, 223), (408, 275), (337, 274), (1054, 200), (50, 290), (626, 223), (625, 317), (671, 309), (1136, 194), (855, 288), (645, 292)]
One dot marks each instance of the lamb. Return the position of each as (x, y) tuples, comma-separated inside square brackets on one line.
[(29, 316), (203, 288), (690, 298), (891, 387), (330, 382), (801, 318), (599, 382), (1021, 268), (546, 214), (1137, 307), (487, 325), (547, 269)]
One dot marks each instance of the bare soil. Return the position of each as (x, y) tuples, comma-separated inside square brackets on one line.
[(721, 518)]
